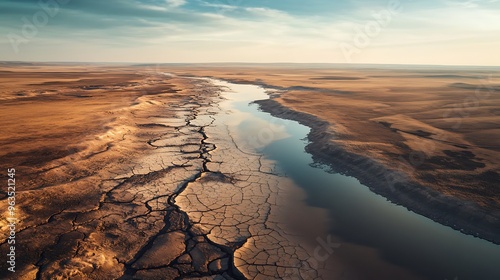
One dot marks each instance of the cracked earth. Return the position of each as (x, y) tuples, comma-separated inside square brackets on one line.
[(163, 192)]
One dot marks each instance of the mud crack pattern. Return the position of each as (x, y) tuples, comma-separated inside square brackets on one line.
[(165, 193)]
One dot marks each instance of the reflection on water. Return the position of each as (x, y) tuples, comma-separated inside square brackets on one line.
[(389, 235)]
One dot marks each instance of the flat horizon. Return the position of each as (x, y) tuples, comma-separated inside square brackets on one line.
[(139, 63)]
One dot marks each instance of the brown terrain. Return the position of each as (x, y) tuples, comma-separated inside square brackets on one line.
[(126, 172), (92, 192), (426, 139)]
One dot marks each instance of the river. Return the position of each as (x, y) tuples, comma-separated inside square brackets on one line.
[(375, 234)]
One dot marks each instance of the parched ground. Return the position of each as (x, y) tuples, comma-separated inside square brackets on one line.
[(126, 173)]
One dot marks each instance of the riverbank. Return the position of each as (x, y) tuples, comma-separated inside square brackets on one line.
[(466, 217), (408, 244), (407, 134)]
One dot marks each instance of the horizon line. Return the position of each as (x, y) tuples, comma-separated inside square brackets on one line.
[(249, 63)]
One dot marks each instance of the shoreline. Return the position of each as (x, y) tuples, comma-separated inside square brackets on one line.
[(445, 210)]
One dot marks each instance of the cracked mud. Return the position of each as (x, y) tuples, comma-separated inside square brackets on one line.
[(161, 190)]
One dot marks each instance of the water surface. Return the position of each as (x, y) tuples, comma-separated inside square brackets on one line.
[(358, 216)]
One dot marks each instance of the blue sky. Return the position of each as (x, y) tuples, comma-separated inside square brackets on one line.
[(463, 32)]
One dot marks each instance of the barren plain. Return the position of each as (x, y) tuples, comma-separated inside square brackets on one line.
[(128, 172), (122, 173)]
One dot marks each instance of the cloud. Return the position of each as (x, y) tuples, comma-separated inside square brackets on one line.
[(241, 30), (219, 7), (175, 3), (471, 3), (266, 12)]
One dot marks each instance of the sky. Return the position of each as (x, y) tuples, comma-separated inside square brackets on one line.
[(436, 32)]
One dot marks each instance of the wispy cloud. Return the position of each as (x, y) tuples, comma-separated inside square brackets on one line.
[(267, 12), (175, 3), (471, 3), (219, 6), (258, 30)]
